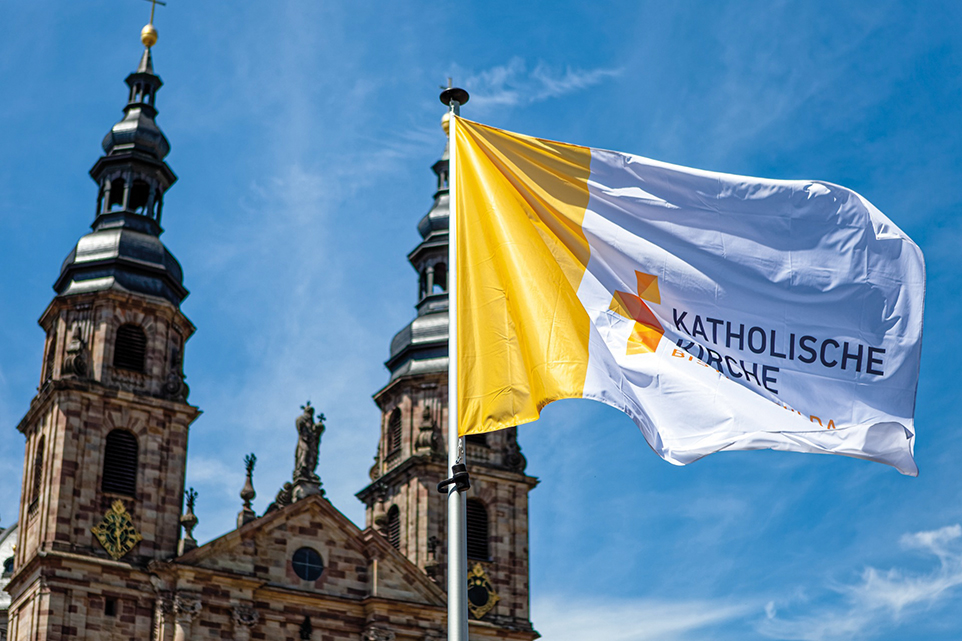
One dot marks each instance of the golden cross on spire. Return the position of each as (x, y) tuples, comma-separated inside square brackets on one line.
[(153, 5), (148, 35)]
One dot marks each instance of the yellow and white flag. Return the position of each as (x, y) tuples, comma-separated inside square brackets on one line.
[(719, 312)]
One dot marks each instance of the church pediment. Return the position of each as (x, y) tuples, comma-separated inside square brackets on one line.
[(310, 546)]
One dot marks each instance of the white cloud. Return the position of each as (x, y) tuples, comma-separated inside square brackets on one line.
[(880, 598), (513, 85), (558, 617)]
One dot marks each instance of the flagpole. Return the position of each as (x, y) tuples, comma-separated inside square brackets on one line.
[(458, 483)]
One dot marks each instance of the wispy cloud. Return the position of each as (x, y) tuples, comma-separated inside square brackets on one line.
[(880, 598), (513, 84), (631, 620)]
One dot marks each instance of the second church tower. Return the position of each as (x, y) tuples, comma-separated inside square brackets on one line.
[(402, 500)]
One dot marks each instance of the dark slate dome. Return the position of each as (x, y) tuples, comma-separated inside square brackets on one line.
[(124, 259), (436, 220), (124, 252), (137, 132), (422, 346)]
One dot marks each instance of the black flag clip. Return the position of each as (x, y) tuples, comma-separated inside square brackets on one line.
[(460, 480)]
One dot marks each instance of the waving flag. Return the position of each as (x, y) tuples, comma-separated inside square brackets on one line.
[(719, 312)]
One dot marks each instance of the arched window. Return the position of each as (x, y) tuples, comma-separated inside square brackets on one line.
[(130, 348), (394, 527), (440, 278), (139, 194), (37, 474), (394, 431), (120, 464), (51, 352), (423, 284), (116, 201), (477, 527)]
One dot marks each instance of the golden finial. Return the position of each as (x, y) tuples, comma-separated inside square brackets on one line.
[(446, 118), (148, 35)]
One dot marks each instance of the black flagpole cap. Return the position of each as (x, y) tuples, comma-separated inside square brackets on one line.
[(453, 94)]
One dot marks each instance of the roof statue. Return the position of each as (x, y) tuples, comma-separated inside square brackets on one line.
[(309, 431)]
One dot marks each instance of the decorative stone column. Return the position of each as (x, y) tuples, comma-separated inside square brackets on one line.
[(245, 617), (162, 610), (186, 607)]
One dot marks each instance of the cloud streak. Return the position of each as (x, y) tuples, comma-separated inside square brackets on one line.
[(513, 85), (880, 598), (630, 620)]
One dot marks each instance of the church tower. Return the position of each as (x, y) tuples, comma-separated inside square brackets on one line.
[(106, 435), (402, 500)]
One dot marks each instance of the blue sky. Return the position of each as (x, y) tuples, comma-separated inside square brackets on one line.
[(303, 133)]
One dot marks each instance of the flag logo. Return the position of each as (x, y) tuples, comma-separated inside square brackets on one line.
[(647, 331)]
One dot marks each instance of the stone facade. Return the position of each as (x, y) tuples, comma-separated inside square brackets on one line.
[(407, 479), (99, 549), (8, 542)]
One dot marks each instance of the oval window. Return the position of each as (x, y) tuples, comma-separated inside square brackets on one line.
[(307, 564)]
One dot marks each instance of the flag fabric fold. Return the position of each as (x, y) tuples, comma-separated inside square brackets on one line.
[(719, 312)]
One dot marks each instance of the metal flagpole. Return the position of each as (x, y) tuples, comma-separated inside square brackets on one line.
[(458, 483)]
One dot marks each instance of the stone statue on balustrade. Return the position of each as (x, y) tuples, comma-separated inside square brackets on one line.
[(309, 431)]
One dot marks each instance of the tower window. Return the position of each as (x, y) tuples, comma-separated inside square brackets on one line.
[(440, 278), (130, 348), (307, 564), (37, 474), (394, 527), (394, 432), (139, 194), (116, 200), (477, 529), (120, 464), (51, 352)]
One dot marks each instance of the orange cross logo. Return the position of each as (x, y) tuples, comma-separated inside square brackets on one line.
[(647, 330)]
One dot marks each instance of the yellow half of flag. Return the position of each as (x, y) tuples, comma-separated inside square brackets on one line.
[(521, 257)]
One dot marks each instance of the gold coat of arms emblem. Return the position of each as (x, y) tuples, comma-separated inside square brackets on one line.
[(116, 532)]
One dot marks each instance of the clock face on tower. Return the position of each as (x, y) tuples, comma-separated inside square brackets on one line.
[(481, 595)]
